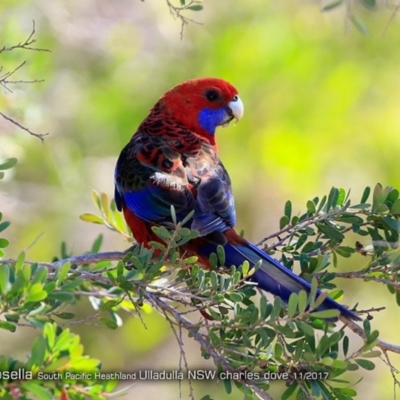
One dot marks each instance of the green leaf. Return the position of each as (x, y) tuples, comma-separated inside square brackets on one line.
[(173, 213), (35, 297), (307, 329), (302, 301), (235, 297), (228, 386), (4, 278), (109, 323), (292, 304), (341, 196), (288, 209), (4, 225), (38, 352), (95, 219), (187, 218), (367, 327), (366, 364), (313, 291), (9, 163), (330, 232), (40, 275), (302, 239), (196, 7), (221, 255), (344, 251), (35, 293), (332, 313), (108, 305), (320, 299), (20, 261), (65, 315), (12, 317), (37, 389), (59, 363), (332, 199), (276, 309), (359, 24), (263, 307), (395, 207), (346, 343), (62, 296), (347, 391), (287, 394), (85, 364), (339, 364), (391, 223), (36, 322), (331, 6), (372, 354), (162, 232), (369, 3), (349, 219), (97, 243), (283, 222), (372, 336), (4, 242), (9, 326), (62, 272), (328, 361)]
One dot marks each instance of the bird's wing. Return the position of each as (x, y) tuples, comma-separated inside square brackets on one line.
[(155, 172)]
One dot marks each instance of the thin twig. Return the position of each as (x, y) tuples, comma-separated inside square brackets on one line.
[(155, 298), (25, 45), (394, 371), (5, 81), (383, 345), (219, 359), (362, 275), (13, 121), (396, 9), (177, 13)]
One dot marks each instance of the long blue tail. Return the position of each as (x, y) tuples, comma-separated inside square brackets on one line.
[(273, 277)]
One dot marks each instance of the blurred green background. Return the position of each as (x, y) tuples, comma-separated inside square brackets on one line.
[(321, 109)]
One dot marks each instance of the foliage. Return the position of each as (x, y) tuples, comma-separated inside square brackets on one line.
[(56, 367), (251, 340), (36, 294)]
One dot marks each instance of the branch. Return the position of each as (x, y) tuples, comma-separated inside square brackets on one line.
[(25, 45), (383, 345), (93, 258), (13, 121), (177, 13), (290, 230), (362, 275), (4, 79), (157, 303)]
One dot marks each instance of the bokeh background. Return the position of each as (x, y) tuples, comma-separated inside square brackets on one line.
[(321, 109)]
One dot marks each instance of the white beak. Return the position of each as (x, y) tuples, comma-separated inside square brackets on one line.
[(236, 106)]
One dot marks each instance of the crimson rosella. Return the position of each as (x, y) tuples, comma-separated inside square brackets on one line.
[(173, 160)]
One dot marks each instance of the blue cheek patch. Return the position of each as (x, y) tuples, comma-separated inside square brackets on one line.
[(209, 119)]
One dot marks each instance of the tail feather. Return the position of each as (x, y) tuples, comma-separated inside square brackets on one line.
[(273, 277)]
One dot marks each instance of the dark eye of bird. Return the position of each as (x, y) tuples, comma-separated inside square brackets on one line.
[(212, 95)]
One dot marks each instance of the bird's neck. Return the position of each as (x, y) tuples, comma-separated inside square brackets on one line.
[(159, 123)]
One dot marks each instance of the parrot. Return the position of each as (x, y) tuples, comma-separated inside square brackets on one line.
[(173, 160)]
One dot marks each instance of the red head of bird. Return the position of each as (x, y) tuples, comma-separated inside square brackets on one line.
[(201, 105)]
